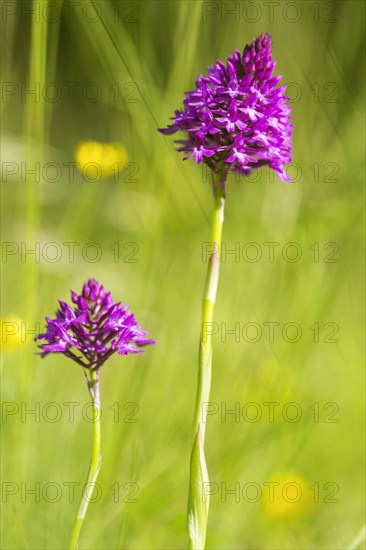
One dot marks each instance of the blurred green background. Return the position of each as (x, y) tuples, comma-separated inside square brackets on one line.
[(141, 57)]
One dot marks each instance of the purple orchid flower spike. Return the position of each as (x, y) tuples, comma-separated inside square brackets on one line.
[(93, 329), (89, 331), (236, 120), (237, 116)]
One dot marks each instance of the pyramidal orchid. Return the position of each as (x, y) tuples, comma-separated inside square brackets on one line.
[(237, 117), (235, 120), (89, 332)]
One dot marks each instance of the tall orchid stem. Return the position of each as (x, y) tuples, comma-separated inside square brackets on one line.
[(96, 459), (198, 500)]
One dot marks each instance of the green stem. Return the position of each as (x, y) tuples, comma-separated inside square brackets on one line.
[(198, 501), (95, 463), (29, 198)]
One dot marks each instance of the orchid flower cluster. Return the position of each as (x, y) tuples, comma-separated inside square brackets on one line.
[(89, 332), (95, 327), (237, 115), (236, 120)]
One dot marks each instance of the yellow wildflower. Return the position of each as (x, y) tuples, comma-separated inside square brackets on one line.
[(11, 332), (287, 497), (98, 161)]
